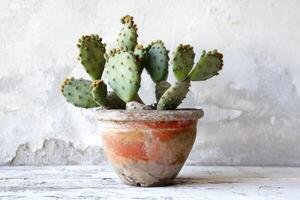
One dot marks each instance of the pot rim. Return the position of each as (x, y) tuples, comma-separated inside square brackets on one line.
[(149, 115)]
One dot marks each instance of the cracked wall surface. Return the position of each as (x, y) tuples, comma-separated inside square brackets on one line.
[(252, 110)]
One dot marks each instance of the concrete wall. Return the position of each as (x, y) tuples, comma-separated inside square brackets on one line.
[(252, 109)]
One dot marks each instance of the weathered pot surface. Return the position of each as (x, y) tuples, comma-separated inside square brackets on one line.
[(148, 147)]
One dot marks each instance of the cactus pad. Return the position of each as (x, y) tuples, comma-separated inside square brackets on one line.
[(173, 96), (78, 92), (99, 92), (134, 105), (123, 74), (160, 89), (208, 66), (183, 61), (139, 52), (156, 61), (127, 37), (91, 55)]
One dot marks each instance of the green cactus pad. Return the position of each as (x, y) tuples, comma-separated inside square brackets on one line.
[(127, 37), (123, 74), (139, 52), (91, 55), (99, 92), (160, 89), (183, 61), (208, 66), (134, 105), (78, 92), (114, 102), (156, 61), (173, 96)]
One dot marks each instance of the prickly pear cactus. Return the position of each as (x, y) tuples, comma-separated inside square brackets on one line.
[(183, 61), (208, 66), (156, 61), (91, 55), (123, 74), (160, 89), (99, 92), (127, 37), (134, 105), (173, 96), (124, 67), (78, 92)]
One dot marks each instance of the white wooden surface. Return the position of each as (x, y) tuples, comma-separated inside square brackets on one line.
[(99, 182)]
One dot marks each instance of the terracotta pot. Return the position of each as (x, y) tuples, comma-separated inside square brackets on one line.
[(148, 147)]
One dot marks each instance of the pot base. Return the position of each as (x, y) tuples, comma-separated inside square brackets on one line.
[(161, 182), (147, 174)]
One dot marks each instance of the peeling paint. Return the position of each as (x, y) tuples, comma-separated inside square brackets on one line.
[(57, 152)]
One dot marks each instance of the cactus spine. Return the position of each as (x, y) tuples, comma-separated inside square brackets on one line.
[(124, 65)]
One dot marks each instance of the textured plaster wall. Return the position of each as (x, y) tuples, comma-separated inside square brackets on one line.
[(252, 110)]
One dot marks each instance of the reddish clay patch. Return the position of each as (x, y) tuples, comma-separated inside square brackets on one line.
[(129, 149), (166, 135)]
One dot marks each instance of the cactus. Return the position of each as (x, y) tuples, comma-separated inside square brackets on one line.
[(124, 65), (139, 52), (127, 37), (160, 89), (208, 66), (156, 61), (183, 61), (123, 74), (99, 92), (91, 55), (173, 96), (134, 105), (78, 92)]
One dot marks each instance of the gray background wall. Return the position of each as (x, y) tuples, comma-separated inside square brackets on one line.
[(252, 110)]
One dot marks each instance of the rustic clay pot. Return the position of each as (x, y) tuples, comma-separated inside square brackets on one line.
[(148, 147)]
